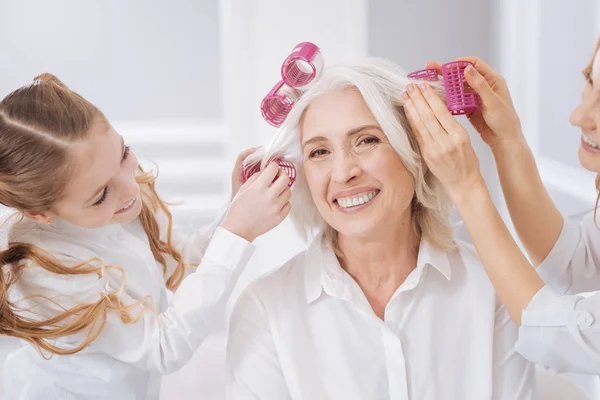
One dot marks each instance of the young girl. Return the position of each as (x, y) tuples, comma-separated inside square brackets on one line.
[(94, 276)]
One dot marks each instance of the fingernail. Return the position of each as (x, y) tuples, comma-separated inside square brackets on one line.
[(471, 70), (411, 87), (424, 86), (404, 95)]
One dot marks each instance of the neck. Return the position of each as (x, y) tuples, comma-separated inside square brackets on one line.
[(380, 262)]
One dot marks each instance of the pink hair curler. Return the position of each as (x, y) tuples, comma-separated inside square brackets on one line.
[(277, 104), (460, 98), (253, 168), (302, 66), (427, 74)]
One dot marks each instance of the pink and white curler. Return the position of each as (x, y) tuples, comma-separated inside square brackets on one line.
[(427, 74), (302, 66), (253, 168), (277, 104), (460, 98)]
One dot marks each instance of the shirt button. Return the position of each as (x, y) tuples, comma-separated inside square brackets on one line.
[(585, 319)]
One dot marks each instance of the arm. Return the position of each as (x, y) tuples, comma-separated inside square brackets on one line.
[(535, 217), (151, 340), (166, 341), (567, 337), (253, 370)]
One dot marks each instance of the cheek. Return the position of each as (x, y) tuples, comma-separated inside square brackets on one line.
[(316, 179)]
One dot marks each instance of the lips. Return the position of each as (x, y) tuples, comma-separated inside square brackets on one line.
[(127, 206)]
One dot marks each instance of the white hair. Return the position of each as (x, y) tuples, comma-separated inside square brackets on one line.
[(381, 84)]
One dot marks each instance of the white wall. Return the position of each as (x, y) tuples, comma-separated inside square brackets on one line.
[(135, 59)]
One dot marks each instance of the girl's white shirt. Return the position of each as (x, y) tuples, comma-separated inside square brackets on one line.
[(127, 359)]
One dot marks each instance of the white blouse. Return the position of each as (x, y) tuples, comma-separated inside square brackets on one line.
[(307, 332), (559, 329), (126, 361)]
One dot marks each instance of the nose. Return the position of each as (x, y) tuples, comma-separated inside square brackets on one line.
[(345, 168), (585, 116), (128, 184)]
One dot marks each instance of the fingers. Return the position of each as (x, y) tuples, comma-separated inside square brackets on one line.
[(485, 70), (421, 133), (481, 86), (285, 210), (441, 113), (239, 162), (429, 120), (267, 175), (281, 183), (284, 197)]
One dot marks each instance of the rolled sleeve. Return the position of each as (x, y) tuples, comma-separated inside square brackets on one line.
[(571, 265), (561, 332)]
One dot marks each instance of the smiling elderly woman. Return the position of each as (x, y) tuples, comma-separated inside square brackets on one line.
[(385, 303)]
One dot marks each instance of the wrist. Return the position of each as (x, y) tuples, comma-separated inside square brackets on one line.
[(238, 231), (510, 145), (466, 195)]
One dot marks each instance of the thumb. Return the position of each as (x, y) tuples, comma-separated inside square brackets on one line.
[(480, 86)]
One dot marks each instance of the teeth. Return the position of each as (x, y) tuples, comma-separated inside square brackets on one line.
[(128, 204), (346, 202), (589, 141)]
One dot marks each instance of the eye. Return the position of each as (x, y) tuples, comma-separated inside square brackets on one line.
[(317, 153), (369, 140), (126, 153), (101, 200), (588, 78)]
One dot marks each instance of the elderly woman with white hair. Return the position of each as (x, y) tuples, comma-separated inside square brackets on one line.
[(385, 303)]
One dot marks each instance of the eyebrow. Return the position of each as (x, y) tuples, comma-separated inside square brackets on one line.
[(350, 133), (99, 191)]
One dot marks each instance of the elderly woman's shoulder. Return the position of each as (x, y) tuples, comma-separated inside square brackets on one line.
[(278, 283)]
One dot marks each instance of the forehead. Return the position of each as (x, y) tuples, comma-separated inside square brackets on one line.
[(335, 113), (94, 162)]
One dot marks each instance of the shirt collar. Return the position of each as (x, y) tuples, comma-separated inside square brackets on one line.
[(322, 266)]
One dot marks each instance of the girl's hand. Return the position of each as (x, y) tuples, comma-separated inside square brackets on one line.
[(260, 205)]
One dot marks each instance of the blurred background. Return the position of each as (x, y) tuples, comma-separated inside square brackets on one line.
[(182, 82)]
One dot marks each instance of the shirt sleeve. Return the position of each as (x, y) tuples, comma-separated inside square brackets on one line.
[(514, 376), (193, 247), (162, 342), (573, 264), (253, 369), (562, 332)]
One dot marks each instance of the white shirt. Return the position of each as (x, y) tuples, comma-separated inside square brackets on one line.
[(308, 332), (559, 329), (126, 360)]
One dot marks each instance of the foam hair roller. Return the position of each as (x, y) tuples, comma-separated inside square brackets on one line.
[(427, 74), (278, 103), (302, 66), (283, 164), (460, 98), (298, 71)]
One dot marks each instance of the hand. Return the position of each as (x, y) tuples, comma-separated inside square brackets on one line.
[(260, 205), (236, 176), (445, 145), (496, 120)]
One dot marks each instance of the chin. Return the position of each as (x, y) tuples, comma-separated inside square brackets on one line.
[(356, 229), (589, 161)]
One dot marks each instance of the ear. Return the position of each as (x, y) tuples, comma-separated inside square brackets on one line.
[(43, 218)]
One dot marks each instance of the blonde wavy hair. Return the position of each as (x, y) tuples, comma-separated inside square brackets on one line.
[(381, 84), (38, 122)]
